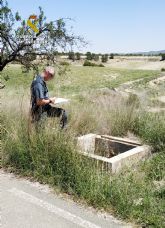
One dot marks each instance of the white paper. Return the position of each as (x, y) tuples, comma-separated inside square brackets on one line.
[(59, 100)]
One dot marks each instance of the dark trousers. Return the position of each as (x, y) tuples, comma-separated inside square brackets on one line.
[(40, 113), (58, 112)]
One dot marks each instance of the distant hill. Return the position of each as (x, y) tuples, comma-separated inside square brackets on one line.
[(150, 52), (147, 53)]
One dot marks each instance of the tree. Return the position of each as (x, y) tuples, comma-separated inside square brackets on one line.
[(22, 41), (104, 58), (111, 56), (71, 55), (77, 56), (88, 56), (96, 57), (163, 56)]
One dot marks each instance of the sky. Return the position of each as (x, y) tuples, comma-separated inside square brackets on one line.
[(109, 26)]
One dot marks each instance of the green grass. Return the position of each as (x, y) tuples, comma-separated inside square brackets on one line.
[(15, 77), (151, 128), (51, 156), (79, 79), (85, 79)]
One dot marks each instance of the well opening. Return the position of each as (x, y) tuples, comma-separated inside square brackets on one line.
[(112, 153), (108, 147)]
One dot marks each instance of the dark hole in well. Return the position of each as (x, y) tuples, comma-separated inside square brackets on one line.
[(109, 148)]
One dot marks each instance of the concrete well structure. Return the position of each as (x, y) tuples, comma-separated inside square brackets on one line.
[(112, 153)]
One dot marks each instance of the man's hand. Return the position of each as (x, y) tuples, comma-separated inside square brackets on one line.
[(41, 102), (52, 99)]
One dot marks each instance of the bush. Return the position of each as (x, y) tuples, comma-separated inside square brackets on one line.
[(111, 56), (77, 56), (95, 57), (71, 56), (88, 56), (163, 56), (155, 168), (101, 65), (151, 127), (104, 58), (88, 63), (63, 63), (163, 69)]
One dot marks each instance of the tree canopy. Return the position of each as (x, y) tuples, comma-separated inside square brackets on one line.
[(23, 40)]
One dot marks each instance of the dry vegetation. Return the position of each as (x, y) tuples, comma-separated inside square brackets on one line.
[(101, 104)]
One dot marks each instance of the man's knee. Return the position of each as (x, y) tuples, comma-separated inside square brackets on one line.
[(54, 112), (58, 112)]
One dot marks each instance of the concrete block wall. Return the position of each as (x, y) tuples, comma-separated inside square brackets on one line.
[(89, 146)]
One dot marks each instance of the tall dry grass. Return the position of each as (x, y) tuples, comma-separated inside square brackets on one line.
[(50, 155)]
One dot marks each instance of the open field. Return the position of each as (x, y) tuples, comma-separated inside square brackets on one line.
[(136, 64), (130, 62), (109, 100)]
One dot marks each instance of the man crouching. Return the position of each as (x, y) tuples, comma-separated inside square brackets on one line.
[(40, 101)]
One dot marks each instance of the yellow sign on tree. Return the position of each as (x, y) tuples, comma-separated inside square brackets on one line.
[(32, 25)]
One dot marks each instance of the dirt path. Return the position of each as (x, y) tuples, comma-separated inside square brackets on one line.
[(136, 64), (157, 81)]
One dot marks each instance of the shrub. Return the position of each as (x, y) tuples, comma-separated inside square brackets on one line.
[(71, 56), (77, 56), (151, 127), (163, 56), (155, 168), (95, 57), (101, 65), (64, 63), (88, 56), (104, 58), (88, 63), (163, 69), (111, 56)]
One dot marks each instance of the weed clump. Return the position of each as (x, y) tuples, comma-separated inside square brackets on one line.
[(64, 63), (151, 127), (88, 63)]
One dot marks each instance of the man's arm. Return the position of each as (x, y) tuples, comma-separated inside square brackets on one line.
[(41, 102)]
